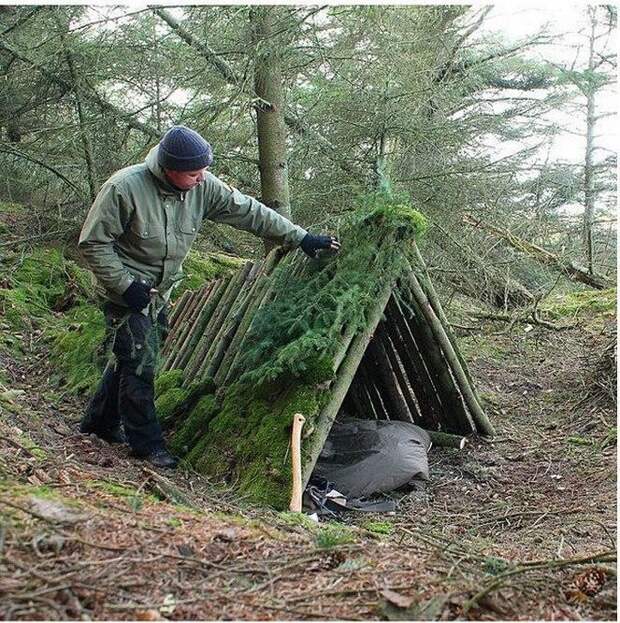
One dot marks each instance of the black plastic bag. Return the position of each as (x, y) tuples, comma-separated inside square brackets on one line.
[(365, 457)]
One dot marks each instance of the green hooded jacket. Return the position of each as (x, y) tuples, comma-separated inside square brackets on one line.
[(141, 227)]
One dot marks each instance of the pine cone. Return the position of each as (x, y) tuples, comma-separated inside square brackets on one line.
[(586, 584)]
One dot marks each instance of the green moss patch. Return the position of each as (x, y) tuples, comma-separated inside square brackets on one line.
[(34, 285), (77, 348), (45, 290), (199, 268), (581, 303), (334, 534), (194, 424), (298, 519), (379, 527), (180, 400), (168, 380)]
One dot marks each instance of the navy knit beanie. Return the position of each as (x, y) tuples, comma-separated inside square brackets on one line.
[(183, 149)]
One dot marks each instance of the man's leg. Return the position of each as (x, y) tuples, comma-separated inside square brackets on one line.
[(137, 348), (102, 417)]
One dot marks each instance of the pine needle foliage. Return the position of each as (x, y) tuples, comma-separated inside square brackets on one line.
[(299, 333)]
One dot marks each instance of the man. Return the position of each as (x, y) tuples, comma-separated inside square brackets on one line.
[(135, 238)]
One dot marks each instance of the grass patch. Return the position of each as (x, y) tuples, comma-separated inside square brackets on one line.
[(174, 522), (297, 519), (379, 527), (334, 534)]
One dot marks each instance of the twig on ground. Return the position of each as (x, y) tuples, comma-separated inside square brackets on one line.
[(524, 567), (18, 446)]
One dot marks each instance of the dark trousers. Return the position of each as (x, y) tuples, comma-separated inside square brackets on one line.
[(126, 392)]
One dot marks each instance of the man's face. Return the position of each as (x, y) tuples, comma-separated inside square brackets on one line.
[(185, 180)]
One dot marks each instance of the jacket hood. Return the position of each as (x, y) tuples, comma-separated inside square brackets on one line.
[(153, 166)]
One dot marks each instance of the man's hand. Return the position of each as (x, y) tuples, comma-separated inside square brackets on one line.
[(311, 244), (137, 296)]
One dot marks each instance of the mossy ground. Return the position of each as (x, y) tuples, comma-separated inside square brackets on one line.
[(42, 290), (581, 303)]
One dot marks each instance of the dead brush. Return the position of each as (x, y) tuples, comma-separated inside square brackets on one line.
[(604, 366)]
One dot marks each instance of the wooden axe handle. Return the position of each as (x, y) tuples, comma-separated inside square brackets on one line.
[(298, 422)]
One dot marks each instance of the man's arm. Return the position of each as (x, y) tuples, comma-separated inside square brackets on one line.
[(105, 222), (228, 205)]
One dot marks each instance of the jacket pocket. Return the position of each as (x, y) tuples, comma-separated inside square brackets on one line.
[(147, 242), (188, 224), (146, 230)]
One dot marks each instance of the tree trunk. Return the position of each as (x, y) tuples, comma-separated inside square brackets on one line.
[(270, 125), (228, 73), (588, 172)]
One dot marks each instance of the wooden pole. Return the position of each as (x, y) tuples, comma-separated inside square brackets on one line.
[(267, 295), (230, 360), (220, 316), (396, 366), (189, 330), (431, 293), (394, 402), (455, 414), (230, 327), (204, 343), (177, 307), (188, 357), (446, 440), (420, 380), (193, 337), (342, 383), (179, 324), (476, 411)]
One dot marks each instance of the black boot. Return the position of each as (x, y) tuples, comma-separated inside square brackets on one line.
[(160, 457)]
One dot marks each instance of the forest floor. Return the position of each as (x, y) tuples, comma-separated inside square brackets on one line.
[(523, 527)]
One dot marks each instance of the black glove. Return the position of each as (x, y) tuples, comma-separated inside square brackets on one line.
[(311, 244), (137, 296)]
